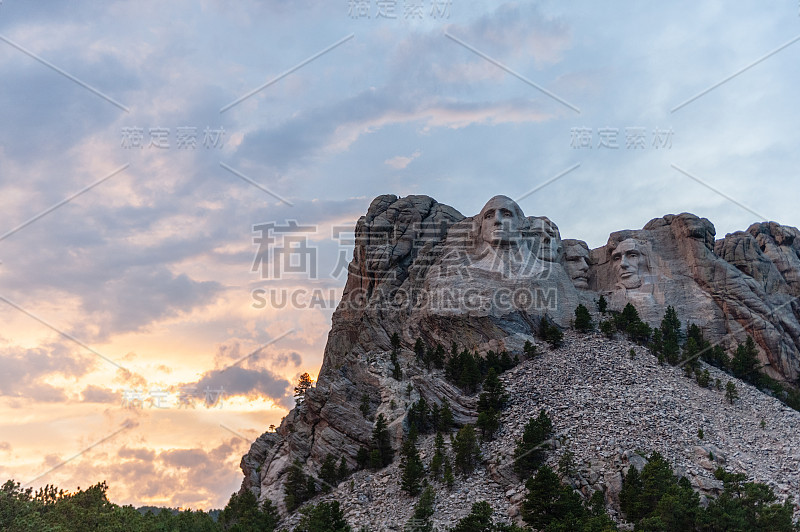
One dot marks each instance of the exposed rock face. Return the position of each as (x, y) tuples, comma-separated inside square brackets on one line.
[(730, 288), (422, 270)]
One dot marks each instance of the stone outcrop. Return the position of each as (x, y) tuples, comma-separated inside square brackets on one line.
[(730, 288), (423, 270)]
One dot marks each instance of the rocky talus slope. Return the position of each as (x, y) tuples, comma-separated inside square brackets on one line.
[(611, 411)]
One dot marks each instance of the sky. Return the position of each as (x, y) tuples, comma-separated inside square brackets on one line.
[(158, 158)]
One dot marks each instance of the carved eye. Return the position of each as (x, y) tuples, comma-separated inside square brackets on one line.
[(489, 214)]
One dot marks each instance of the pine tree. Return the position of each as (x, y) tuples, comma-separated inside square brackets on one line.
[(670, 336), (395, 341), (466, 450), (488, 423), (411, 467), (365, 405), (491, 401), (449, 478), (296, 487), (302, 387), (745, 363), (311, 487), (529, 453), (328, 474), (447, 420), (550, 333), (323, 517), (629, 495), (381, 442), (731, 394), (375, 461), (690, 353), (438, 356), (602, 305), (397, 373), (438, 456), (362, 457), (419, 416), (436, 417), (479, 519), (583, 320), (628, 317), (657, 344), (241, 513), (494, 394), (423, 511), (656, 478), (343, 470), (719, 357), (529, 349), (470, 375), (548, 502), (419, 350), (608, 328)]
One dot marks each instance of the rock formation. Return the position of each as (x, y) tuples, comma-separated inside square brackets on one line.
[(422, 270)]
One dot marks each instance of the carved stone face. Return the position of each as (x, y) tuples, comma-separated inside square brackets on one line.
[(577, 265), (549, 248), (500, 220), (626, 260)]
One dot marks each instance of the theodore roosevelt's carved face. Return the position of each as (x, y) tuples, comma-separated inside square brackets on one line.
[(501, 220), (627, 260)]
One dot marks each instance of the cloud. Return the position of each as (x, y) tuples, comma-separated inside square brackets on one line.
[(284, 359), (250, 383), (184, 458), (517, 31), (99, 394), (335, 128), (235, 349), (25, 370), (196, 477), (399, 162), (137, 454)]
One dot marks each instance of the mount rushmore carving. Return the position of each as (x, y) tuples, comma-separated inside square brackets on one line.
[(421, 269)]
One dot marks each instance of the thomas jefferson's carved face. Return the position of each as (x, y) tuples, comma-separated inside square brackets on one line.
[(626, 260), (501, 220), (577, 265)]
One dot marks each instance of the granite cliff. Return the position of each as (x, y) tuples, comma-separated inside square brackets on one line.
[(423, 270)]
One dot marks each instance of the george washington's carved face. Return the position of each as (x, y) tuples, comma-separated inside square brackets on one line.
[(501, 221), (627, 260)]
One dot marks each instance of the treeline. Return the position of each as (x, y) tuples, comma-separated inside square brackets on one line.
[(49, 509), (657, 500), (52, 509)]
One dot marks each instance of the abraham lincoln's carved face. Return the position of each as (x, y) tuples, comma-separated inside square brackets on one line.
[(626, 260)]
